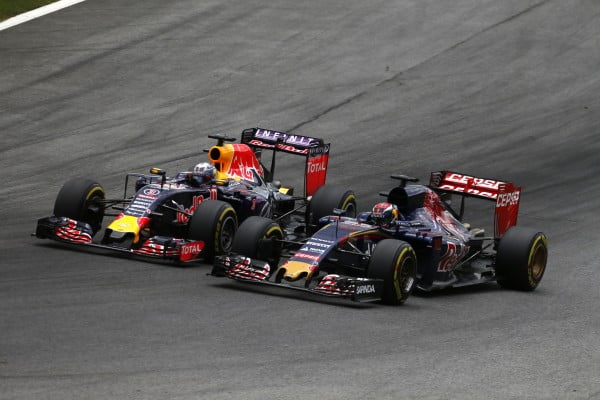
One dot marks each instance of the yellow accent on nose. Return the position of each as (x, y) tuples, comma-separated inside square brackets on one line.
[(127, 224), (295, 270)]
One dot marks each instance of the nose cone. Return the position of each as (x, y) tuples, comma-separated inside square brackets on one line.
[(294, 270), (126, 224)]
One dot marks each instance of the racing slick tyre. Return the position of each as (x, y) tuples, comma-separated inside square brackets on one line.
[(395, 262), (78, 200), (521, 258), (215, 223), (249, 240), (328, 197)]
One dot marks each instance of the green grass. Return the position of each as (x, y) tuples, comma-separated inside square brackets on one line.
[(10, 8)]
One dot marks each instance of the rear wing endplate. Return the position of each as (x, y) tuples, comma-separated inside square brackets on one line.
[(505, 194), (315, 150)]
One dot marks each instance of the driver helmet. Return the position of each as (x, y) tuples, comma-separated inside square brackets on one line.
[(204, 171), (384, 213)]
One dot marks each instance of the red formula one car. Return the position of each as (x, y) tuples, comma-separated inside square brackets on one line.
[(196, 212), (413, 239)]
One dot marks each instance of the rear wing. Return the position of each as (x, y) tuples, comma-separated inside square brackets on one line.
[(506, 195), (315, 150)]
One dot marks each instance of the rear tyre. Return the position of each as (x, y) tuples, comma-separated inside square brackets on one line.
[(521, 258), (328, 197), (215, 223), (249, 240), (395, 262), (78, 199)]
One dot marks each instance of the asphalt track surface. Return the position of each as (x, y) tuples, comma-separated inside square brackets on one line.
[(500, 89)]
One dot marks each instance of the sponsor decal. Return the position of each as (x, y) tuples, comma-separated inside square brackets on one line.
[(306, 256), (270, 135), (467, 184), (365, 289), (466, 180), (260, 143), (313, 239), (453, 253), (274, 136), (151, 192), (507, 208), (318, 151), (508, 199), (143, 196), (463, 189), (437, 212), (291, 149), (316, 169), (311, 243), (314, 250), (183, 218), (244, 164), (190, 251)]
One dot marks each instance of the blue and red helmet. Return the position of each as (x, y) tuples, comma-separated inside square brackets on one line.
[(384, 213), (205, 171)]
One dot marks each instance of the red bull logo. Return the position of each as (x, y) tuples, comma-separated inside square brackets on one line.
[(183, 217)]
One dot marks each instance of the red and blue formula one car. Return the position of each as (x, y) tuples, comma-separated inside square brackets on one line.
[(413, 239), (196, 212)]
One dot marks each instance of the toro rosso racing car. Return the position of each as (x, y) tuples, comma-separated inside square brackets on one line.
[(413, 239), (196, 213)]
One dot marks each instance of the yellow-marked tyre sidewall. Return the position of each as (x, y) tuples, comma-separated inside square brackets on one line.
[(207, 225), (521, 258), (349, 200), (74, 201), (248, 237), (225, 216), (534, 272), (394, 262), (405, 256)]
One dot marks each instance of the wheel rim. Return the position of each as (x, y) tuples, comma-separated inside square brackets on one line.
[(538, 263), (227, 234), (406, 279), (94, 212), (274, 258)]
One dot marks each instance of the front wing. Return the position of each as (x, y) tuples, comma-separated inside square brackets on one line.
[(67, 230), (245, 269)]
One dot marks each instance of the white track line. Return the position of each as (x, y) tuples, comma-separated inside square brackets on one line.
[(38, 12)]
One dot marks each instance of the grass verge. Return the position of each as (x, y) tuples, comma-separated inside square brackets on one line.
[(10, 8)]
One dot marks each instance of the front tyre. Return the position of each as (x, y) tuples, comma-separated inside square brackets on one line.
[(328, 197), (395, 262), (80, 199), (215, 223), (256, 239), (521, 258)]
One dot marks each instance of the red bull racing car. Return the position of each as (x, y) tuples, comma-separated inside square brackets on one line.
[(196, 213), (413, 239)]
